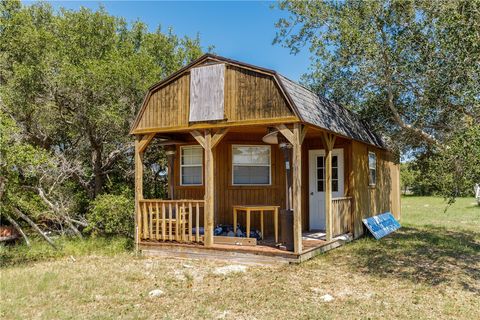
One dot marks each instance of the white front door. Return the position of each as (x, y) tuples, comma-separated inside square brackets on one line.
[(316, 165)]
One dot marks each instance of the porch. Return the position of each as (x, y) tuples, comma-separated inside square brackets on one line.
[(182, 226), (162, 234)]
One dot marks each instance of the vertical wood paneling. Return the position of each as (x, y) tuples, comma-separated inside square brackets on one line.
[(248, 95), (227, 195), (385, 196)]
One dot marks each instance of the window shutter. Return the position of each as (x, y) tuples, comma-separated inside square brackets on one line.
[(207, 93)]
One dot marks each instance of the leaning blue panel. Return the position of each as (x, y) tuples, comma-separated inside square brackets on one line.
[(381, 225)]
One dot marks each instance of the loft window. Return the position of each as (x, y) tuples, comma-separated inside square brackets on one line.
[(251, 165), (372, 168), (191, 166)]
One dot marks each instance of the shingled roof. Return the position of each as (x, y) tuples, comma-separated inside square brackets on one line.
[(326, 114)]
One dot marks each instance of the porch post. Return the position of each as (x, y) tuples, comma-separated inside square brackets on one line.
[(138, 189), (141, 143), (209, 142), (296, 139), (209, 190), (299, 134), (329, 141)]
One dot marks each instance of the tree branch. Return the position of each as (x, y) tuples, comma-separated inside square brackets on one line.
[(59, 212), (114, 155), (17, 227), (388, 79), (35, 227)]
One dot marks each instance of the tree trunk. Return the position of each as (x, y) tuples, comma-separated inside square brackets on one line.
[(97, 170), (34, 226), (19, 229)]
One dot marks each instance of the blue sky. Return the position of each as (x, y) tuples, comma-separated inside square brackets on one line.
[(239, 30)]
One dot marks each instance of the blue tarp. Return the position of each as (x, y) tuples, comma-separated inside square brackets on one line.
[(381, 225)]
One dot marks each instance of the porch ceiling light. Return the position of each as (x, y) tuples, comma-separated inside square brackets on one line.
[(271, 137), (275, 137)]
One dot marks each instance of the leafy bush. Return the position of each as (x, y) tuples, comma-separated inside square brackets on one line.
[(111, 214)]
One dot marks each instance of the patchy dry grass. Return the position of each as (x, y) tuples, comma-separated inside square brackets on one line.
[(418, 273)]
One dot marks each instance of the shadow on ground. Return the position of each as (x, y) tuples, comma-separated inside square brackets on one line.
[(429, 255)]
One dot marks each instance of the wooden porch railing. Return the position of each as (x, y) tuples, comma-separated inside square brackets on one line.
[(342, 215), (169, 220)]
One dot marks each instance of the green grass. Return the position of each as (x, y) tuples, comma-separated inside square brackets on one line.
[(41, 251), (464, 214), (429, 269)]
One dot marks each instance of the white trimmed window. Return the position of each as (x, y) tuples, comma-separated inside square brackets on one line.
[(372, 168), (251, 165), (191, 165)]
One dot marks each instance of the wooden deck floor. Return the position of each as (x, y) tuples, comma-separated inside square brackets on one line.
[(264, 252)]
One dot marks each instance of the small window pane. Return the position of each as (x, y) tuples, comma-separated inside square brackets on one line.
[(192, 175), (372, 165), (320, 184), (320, 162), (335, 185), (373, 176), (334, 173), (251, 155), (334, 161), (251, 175), (192, 156), (372, 160), (320, 174)]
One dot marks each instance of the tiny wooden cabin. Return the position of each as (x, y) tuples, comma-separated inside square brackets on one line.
[(212, 118)]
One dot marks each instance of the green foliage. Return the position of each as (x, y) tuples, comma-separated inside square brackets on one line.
[(408, 177), (71, 83), (456, 169), (41, 251), (20, 164), (451, 172), (74, 81), (111, 215), (409, 67)]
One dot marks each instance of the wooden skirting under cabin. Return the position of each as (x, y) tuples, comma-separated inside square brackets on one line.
[(263, 253)]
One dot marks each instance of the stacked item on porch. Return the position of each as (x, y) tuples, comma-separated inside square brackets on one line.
[(227, 230)]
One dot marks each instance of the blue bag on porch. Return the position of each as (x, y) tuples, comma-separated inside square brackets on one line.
[(200, 230)]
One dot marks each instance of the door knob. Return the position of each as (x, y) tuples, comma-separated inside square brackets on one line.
[(311, 193)]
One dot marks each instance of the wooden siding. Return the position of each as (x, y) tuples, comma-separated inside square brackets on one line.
[(367, 201), (168, 106), (227, 194), (250, 97), (373, 200)]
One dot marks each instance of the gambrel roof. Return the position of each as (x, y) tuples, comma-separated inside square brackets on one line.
[(309, 107), (326, 114)]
